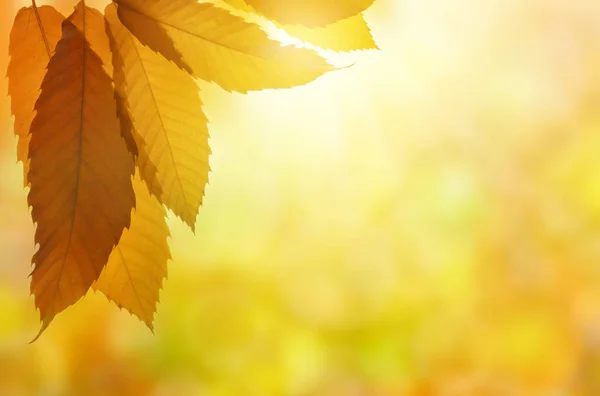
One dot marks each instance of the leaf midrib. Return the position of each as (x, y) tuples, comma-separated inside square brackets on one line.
[(79, 149), (198, 35), (160, 116)]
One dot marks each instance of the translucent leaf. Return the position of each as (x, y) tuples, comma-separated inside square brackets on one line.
[(138, 264), (349, 34), (217, 46), (168, 120), (32, 42), (81, 193), (310, 13)]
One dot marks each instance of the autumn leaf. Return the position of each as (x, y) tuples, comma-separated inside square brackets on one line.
[(96, 36), (218, 46), (90, 22), (138, 264), (96, 96), (33, 38), (310, 13), (81, 193), (348, 34), (7, 14), (167, 118)]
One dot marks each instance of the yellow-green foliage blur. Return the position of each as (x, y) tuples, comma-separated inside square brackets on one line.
[(426, 222)]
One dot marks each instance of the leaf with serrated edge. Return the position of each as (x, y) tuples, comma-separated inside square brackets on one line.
[(350, 34), (81, 194), (98, 40), (166, 111), (32, 42), (218, 46), (137, 266)]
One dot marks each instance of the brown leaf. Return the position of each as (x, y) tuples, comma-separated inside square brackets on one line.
[(32, 42), (81, 193), (95, 34)]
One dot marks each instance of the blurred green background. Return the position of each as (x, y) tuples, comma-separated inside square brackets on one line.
[(426, 222)]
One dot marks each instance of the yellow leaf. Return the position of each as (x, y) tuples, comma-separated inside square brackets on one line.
[(310, 13), (32, 42), (168, 121), (138, 264), (217, 46), (126, 124), (81, 193), (348, 34)]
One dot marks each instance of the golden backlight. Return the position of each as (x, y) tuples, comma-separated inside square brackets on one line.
[(423, 222)]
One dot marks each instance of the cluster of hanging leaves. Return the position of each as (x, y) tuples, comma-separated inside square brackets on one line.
[(111, 130)]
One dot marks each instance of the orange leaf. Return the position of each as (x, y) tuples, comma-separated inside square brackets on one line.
[(32, 42), (95, 34), (81, 193)]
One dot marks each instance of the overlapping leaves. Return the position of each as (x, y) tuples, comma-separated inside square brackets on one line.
[(111, 128)]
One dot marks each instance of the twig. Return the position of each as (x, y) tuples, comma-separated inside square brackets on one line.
[(41, 26)]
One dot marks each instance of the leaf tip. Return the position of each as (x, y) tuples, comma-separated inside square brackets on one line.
[(150, 325), (345, 66), (45, 323)]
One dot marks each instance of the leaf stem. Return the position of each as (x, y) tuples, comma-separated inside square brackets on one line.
[(41, 26)]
